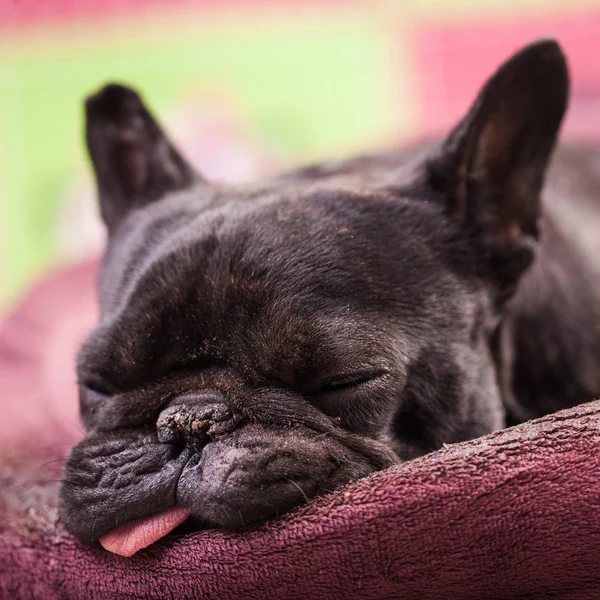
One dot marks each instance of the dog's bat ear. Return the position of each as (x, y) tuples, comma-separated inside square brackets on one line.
[(134, 162), (491, 167)]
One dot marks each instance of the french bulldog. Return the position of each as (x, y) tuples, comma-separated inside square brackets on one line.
[(266, 343)]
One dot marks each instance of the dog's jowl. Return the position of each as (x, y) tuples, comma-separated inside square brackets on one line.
[(263, 344)]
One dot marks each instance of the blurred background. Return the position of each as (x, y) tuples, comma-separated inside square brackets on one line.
[(245, 87)]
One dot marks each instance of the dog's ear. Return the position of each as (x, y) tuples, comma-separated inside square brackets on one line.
[(491, 167), (134, 162)]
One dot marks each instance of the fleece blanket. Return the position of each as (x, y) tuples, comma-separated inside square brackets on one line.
[(515, 514)]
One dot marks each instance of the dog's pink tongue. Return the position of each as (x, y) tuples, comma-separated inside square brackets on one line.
[(127, 539)]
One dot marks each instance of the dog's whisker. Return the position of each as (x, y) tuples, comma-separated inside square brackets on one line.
[(241, 517), (68, 481), (50, 462), (75, 425), (299, 489)]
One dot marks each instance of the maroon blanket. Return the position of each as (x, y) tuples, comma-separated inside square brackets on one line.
[(515, 514)]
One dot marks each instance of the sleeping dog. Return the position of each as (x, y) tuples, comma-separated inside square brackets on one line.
[(263, 344)]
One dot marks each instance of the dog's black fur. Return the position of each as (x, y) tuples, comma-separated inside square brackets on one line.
[(263, 344)]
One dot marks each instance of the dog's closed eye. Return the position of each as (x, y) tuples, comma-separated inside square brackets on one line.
[(349, 381)]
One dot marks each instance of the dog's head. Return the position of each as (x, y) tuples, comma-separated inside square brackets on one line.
[(260, 345)]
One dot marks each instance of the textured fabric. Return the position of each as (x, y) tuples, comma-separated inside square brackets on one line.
[(515, 514)]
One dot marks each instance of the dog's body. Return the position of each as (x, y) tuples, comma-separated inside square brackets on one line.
[(263, 344)]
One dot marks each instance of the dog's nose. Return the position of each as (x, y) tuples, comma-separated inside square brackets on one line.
[(195, 420)]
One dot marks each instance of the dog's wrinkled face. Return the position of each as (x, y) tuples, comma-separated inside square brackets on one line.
[(262, 345)]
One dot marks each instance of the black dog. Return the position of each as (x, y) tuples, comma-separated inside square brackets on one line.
[(263, 344)]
